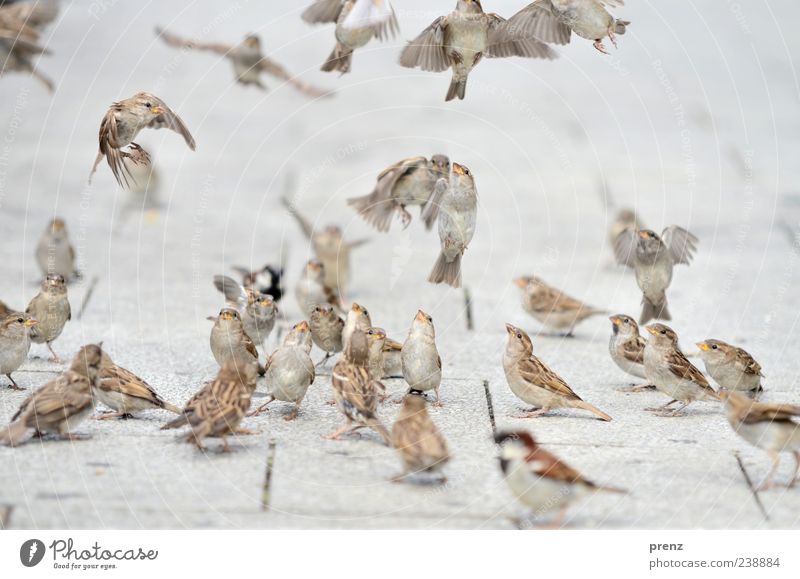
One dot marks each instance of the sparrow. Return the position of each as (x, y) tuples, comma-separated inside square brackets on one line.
[(671, 372), (326, 330), (330, 248), (417, 440), (258, 311), (15, 342), (355, 392), (21, 26), (229, 339), (408, 182), (626, 347), (653, 258), (351, 33), (267, 280), (392, 358), (61, 404), (731, 367), (50, 307), (123, 121), (422, 365), (533, 382), (368, 13), (772, 427), (219, 407), (247, 59), (554, 309), (625, 221), (54, 252), (457, 204), (290, 370), (376, 339), (553, 21), (312, 290), (462, 38), (125, 393), (538, 479), (357, 319)]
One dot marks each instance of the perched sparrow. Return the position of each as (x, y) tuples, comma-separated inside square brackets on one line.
[(376, 339), (421, 445), (671, 372), (533, 382), (312, 290), (122, 123), (357, 319), (392, 359), (247, 59), (422, 365), (539, 479), (326, 330), (458, 208), (554, 309), (407, 182), (55, 253), (125, 393), (731, 367), (290, 370), (626, 347), (330, 248), (267, 280), (218, 408), (50, 307), (258, 311), (355, 392), (772, 427), (15, 342), (351, 33), (229, 339), (554, 20), (21, 25), (653, 258), (462, 38), (625, 222), (61, 404)]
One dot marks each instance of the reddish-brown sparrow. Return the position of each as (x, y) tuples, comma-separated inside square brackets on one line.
[(551, 307), (125, 393), (50, 307), (422, 365), (417, 440), (731, 367)]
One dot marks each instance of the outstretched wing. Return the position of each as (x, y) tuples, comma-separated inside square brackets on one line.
[(625, 247), (323, 11), (680, 243), (540, 22), (504, 40), (169, 120), (180, 42), (427, 50), (271, 67)]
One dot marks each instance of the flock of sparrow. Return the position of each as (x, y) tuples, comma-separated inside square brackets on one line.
[(446, 193)]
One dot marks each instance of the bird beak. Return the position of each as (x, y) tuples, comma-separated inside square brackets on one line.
[(157, 110), (459, 169), (421, 316), (520, 282), (651, 329), (644, 234), (615, 320), (30, 322), (510, 329), (703, 346), (303, 326)]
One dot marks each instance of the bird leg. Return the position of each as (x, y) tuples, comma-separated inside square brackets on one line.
[(438, 402), (677, 411), (611, 36), (293, 414), (263, 408), (796, 477), (322, 362), (336, 434), (225, 446), (598, 44), (112, 414), (136, 154), (75, 436), (245, 432), (405, 216), (55, 357), (776, 460), (661, 408), (639, 388), (535, 413), (14, 385)]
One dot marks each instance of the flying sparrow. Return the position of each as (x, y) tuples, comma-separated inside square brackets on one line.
[(267, 280), (407, 182), (326, 330), (355, 392), (60, 405), (50, 307), (357, 319), (533, 382), (290, 370), (554, 20), (625, 221), (258, 311), (626, 347), (122, 123), (21, 26), (368, 13), (554, 309), (653, 258), (422, 365), (219, 407), (15, 342), (312, 290), (772, 427), (671, 372), (731, 367), (461, 39), (457, 204), (54, 252), (351, 33), (421, 445), (229, 339), (125, 393), (247, 59), (538, 479)]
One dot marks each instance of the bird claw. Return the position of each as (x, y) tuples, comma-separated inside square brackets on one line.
[(137, 155), (598, 44), (405, 217), (612, 37)]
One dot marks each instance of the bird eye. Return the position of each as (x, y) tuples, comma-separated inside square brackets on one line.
[(663, 332), (519, 336), (626, 321), (713, 346), (148, 105), (20, 320), (366, 313)]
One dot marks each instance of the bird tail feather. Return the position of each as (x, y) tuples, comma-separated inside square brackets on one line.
[(171, 408), (596, 411), (181, 420), (13, 433), (651, 311), (448, 272), (375, 209), (458, 89), (340, 59)]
